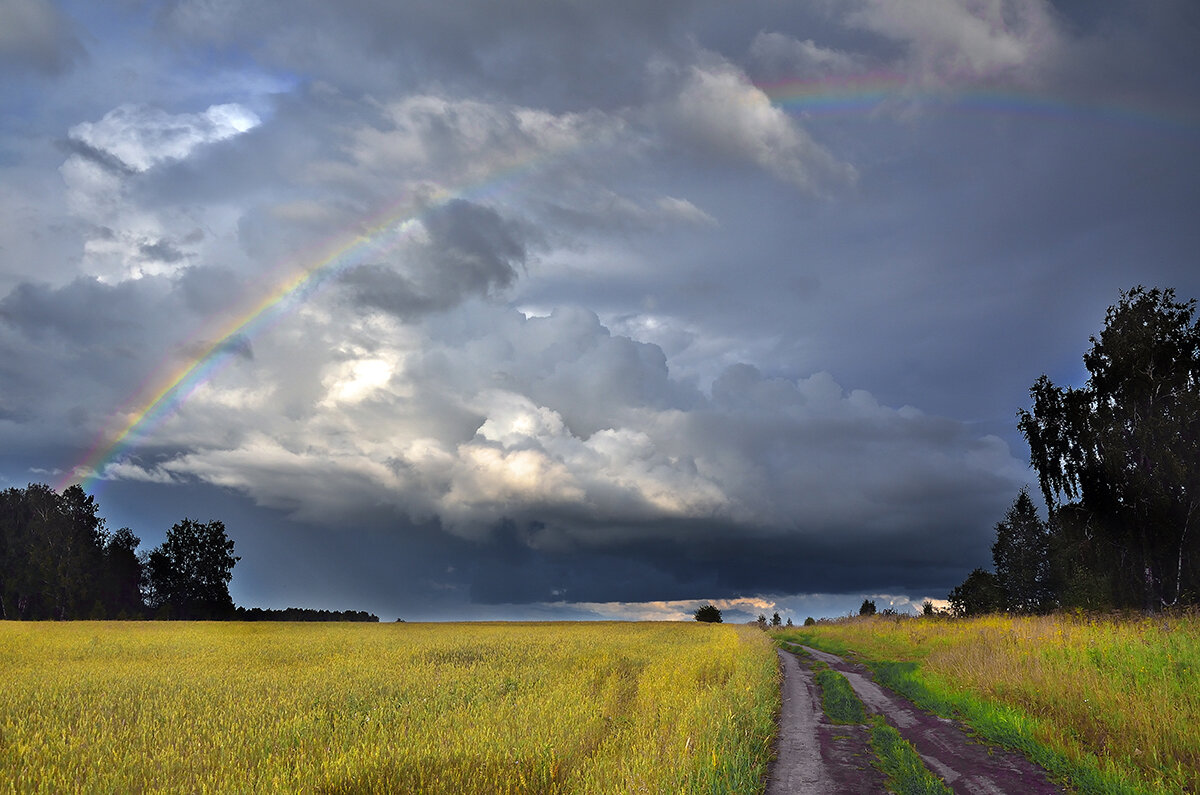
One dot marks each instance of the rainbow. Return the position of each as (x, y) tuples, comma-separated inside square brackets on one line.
[(173, 383)]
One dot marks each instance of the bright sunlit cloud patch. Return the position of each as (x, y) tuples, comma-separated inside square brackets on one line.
[(140, 138)]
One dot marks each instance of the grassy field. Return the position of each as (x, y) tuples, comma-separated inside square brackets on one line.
[(1113, 703), (462, 708)]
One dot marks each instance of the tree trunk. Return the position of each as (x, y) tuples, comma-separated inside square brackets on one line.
[(1179, 560), (1151, 599)]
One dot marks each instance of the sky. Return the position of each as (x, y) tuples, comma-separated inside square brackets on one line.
[(571, 310)]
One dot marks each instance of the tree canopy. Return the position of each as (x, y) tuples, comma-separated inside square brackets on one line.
[(979, 594), (1118, 463), (53, 561), (189, 574), (1021, 557), (709, 614), (1118, 459)]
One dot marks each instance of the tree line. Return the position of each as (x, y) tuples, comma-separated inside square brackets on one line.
[(302, 614), (59, 561), (1118, 465)]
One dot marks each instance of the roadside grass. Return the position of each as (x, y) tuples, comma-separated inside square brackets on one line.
[(1113, 704), (902, 766), (339, 708)]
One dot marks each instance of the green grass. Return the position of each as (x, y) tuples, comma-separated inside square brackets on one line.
[(838, 699), (1111, 704), (1006, 726), (901, 764)]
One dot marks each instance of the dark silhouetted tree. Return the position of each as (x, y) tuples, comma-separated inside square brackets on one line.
[(978, 595), (51, 553), (810, 621), (776, 620), (708, 614), (1118, 460), (1021, 556), (123, 575), (189, 573), (867, 608)]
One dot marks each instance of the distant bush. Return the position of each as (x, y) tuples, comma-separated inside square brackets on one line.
[(709, 614)]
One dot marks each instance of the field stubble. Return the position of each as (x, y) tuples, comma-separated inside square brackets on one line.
[(494, 708)]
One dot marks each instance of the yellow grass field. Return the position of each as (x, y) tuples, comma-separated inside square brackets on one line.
[(1120, 697), (441, 708)]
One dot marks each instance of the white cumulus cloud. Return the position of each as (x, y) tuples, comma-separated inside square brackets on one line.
[(721, 113), (950, 41), (140, 137)]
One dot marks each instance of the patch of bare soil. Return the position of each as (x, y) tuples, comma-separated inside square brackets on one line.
[(966, 764)]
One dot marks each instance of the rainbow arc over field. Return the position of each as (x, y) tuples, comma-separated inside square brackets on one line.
[(172, 384), (866, 94)]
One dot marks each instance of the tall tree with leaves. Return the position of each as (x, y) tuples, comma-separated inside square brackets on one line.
[(189, 573), (978, 595), (51, 553), (1123, 451), (1021, 556), (123, 575)]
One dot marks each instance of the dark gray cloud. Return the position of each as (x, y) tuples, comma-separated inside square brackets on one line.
[(104, 159), (469, 251), (610, 308), (561, 55), (36, 36), (160, 250)]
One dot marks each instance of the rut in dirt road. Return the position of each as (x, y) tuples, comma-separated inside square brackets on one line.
[(966, 765)]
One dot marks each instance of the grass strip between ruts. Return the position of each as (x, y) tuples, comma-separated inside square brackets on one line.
[(899, 761), (901, 764), (838, 699)]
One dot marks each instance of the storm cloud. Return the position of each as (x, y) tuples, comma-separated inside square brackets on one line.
[(506, 310)]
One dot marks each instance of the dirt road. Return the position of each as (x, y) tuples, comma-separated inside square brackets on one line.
[(813, 755), (817, 757)]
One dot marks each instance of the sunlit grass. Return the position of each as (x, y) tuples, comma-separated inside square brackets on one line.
[(463, 708), (1117, 701)]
